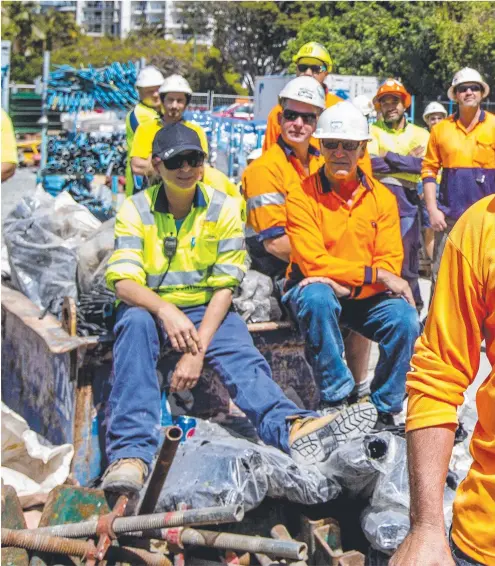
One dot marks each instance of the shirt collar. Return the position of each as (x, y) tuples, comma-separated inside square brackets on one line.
[(289, 151), (480, 119), (160, 203), (382, 124), (326, 187)]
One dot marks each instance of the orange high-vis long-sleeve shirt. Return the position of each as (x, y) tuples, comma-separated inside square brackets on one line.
[(347, 242), (446, 361)]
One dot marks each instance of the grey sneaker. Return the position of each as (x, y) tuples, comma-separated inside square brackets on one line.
[(312, 440), (125, 475)]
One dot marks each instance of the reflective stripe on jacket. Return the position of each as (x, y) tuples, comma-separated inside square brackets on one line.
[(210, 246), (468, 161)]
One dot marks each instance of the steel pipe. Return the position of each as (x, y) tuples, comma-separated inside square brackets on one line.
[(69, 547), (205, 516), (173, 435), (293, 550)]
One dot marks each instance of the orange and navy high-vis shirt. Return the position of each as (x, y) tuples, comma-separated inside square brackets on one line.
[(273, 127), (347, 242), (467, 159), (446, 361), (265, 183)]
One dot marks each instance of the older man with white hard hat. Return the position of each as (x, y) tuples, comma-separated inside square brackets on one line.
[(149, 107), (343, 226), (463, 146)]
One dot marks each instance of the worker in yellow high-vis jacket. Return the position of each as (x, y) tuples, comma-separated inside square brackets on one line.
[(147, 109), (179, 255)]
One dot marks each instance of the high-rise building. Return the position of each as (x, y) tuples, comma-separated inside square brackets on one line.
[(117, 18)]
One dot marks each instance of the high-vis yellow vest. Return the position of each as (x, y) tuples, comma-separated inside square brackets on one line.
[(210, 246), (141, 114)]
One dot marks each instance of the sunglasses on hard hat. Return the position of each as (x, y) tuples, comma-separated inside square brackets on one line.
[(314, 68), (346, 145), (307, 117), (193, 159), (475, 87)]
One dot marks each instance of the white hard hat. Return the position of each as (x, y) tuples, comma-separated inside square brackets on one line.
[(343, 121), (305, 89), (149, 76), (254, 154), (363, 103), (434, 108), (467, 75), (176, 83)]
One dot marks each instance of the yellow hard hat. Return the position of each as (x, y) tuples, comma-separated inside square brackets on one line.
[(314, 50)]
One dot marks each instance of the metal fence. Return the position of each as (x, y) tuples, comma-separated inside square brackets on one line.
[(212, 101)]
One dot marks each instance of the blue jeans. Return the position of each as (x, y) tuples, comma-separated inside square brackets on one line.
[(134, 403), (390, 321)]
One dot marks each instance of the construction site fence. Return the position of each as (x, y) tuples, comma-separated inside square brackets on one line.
[(211, 101)]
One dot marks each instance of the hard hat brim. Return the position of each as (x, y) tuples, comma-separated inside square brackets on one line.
[(406, 99), (486, 90)]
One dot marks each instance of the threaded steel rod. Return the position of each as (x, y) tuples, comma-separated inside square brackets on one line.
[(292, 550), (69, 547), (204, 516)]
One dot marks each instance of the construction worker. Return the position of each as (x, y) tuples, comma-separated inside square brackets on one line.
[(179, 255), (174, 94), (445, 363), (312, 60), (396, 150), (149, 80), (434, 113), (266, 182), (463, 146), (9, 148), (343, 227)]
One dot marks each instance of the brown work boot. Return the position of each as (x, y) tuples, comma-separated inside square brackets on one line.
[(125, 475), (313, 439)]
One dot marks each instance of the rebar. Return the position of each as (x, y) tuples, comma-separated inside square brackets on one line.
[(293, 550), (69, 547), (204, 516), (173, 435)]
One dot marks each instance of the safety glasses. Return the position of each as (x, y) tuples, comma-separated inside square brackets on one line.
[(292, 116), (465, 87), (346, 145), (314, 68), (193, 159)]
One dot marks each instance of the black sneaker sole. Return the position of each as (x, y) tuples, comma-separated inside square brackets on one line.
[(353, 421)]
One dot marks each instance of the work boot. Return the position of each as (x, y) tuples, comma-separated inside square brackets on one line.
[(326, 409), (125, 475), (313, 439)]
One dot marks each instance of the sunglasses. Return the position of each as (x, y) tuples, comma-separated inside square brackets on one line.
[(193, 159), (314, 68), (307, 117), (346, 145), (464, 88)]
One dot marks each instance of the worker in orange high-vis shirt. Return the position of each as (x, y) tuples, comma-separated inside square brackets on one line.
[(463, 146), (265, 185), (312, 60), (344, 226), (445, 363)]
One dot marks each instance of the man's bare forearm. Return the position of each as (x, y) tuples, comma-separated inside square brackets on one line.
[(428, 452), (430, 191), (216, 310), (279, 247), (8, 169), (137, 295)]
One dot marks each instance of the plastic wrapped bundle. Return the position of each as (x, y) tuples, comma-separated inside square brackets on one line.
[(253, 303)]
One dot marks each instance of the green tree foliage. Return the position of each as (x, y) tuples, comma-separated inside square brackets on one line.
[(423, 43), (32, 33)]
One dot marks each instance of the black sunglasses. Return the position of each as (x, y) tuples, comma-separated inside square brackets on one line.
[(472, 87), (307, 117), (347, 145), (193, 159), (314, 68)]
